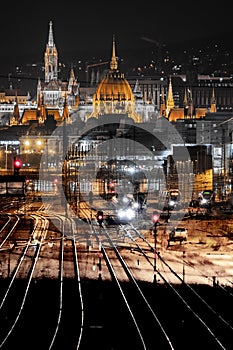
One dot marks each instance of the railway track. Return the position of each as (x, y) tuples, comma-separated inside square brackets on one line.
[(195, 310), (75, 311)]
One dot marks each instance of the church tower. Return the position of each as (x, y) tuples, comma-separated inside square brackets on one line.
[(51, 57), (72, 81), (170, 99), (15, 116), (213, 108)]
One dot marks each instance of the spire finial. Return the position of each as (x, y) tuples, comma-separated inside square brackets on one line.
[(113, 63), (51, 41)]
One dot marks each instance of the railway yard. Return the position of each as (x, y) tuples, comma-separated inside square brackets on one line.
[(84, 285), (208, 248)]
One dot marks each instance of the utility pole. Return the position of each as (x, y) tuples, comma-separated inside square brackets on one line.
[(183, 266), (155, 220), (65, 166), (155, 252)]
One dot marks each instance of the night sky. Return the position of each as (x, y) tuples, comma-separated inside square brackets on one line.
[(86, 28)]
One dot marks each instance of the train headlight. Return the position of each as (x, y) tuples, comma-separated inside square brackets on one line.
[(130, 213), (121, 214), (126, 214), (135, 205)]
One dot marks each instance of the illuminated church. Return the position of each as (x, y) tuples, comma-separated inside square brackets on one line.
[(54, 97), (52, 90), (113, 95)]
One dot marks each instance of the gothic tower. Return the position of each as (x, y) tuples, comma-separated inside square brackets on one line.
[(15, 116), (213, 108), (170, 99), (51, 58)]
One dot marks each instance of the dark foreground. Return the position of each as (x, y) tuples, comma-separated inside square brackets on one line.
[(107, 322)]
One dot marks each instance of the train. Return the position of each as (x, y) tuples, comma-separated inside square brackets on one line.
[(107, 189), (171, 199), (206, 198)]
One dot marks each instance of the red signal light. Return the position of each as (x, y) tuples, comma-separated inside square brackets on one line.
[(100, 217), (155, 217), (17, 164)]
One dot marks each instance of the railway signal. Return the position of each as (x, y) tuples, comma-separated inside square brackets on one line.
[(17, 166), (155, 218), (100, 217)]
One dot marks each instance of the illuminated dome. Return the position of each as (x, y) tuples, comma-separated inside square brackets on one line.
[(114, 94), (114, 87)]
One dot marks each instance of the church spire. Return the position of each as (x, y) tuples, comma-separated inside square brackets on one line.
[(170, 99), (72, 81), (213, 108), (51, 58), (113, 63), (137, 90), (50, 41)]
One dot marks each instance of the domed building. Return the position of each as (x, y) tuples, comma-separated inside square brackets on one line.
[(114, 94)]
